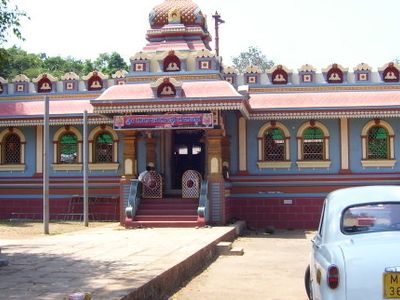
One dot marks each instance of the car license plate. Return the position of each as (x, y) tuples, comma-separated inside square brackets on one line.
[(391, 285)]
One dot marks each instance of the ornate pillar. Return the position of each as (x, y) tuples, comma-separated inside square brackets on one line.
[(130, 159), (226, 154), (39, 150), (214, 153), (344, 145), (216, 182), (242, 145), (151, 156)]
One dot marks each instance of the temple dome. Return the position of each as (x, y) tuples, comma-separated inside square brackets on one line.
[(184, 12)]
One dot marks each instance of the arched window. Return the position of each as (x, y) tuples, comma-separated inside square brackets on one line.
[(12, 149), (103, 149), (273, 146), (67, 155), (68, 148), (378, 143), (377, 140), (12, 154), (313, 145)]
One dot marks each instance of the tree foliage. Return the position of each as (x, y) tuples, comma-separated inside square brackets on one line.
[(253, 56), (110, 63), (10, 20), (14, 61)]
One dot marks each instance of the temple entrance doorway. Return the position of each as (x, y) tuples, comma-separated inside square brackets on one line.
[(188, 153)]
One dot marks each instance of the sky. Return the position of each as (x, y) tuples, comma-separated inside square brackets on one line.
[(289, 32)]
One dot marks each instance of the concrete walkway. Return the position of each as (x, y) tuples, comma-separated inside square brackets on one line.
[(108, 262), (272, 268)]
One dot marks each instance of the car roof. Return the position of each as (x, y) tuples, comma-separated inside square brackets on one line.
[(364, 194), (338, 200)]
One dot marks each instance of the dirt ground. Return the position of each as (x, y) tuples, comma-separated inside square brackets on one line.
[(15, 230)]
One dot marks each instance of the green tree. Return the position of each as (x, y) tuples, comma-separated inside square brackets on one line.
[(14, 61), (110, 63), (253, 56), (10, 20), (17, 61)]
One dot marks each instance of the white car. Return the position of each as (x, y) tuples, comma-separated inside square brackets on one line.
[(356, 251)]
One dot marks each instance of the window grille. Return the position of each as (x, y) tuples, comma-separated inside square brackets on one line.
[(274, 145), (68, 148), (104, 148), (313, 144), (12, 149), (378, 143)]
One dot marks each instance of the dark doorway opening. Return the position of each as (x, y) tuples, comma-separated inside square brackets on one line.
[(188, 153)]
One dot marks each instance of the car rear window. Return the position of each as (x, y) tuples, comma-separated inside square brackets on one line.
[(372, 217)]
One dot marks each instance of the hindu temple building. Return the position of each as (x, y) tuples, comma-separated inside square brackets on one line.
[(264, 147)]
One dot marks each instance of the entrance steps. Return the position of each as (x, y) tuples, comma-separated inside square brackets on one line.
[(166, 212)]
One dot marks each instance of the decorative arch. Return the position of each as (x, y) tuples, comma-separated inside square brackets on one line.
[(391, 73), (273, 146), (334, 75), (313, 145), (171, 63), (44, 85), (377, 142), (8, 159), (95, 82), (93, 144), (279, 76), (166, 89), (56, 141)]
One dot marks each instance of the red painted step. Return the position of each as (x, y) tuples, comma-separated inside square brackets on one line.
[(167, 212)]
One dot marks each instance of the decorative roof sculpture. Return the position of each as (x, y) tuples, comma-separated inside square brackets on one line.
[(184, 12), (178, 20)]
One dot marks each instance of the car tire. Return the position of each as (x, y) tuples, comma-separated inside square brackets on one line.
[(307, 283)]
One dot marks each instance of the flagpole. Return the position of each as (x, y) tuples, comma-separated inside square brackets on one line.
[(46, 165)]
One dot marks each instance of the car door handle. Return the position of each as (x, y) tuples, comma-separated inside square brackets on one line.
[(315, 244)]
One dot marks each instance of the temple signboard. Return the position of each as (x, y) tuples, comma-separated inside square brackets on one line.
[(164, 121)]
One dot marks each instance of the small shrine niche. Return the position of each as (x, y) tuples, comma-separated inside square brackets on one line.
[(252, 75), (230, 75), (279, 75), (119, 77), (70, 82), (3, 86), (362, 73), (205, 60), (307, 74), (21, 84), (166, 87), (174, 16), (95, 81), (44, 83), (140, 62), (390, 72), (171, 63), (334, 74)]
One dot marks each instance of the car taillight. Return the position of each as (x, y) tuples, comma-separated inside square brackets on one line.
[(333, 277)]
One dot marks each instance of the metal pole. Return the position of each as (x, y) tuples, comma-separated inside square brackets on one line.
[(218, 21), (85, 171), (46, 165)]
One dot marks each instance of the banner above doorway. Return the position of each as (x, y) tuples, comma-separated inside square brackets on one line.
[(165, 121)]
